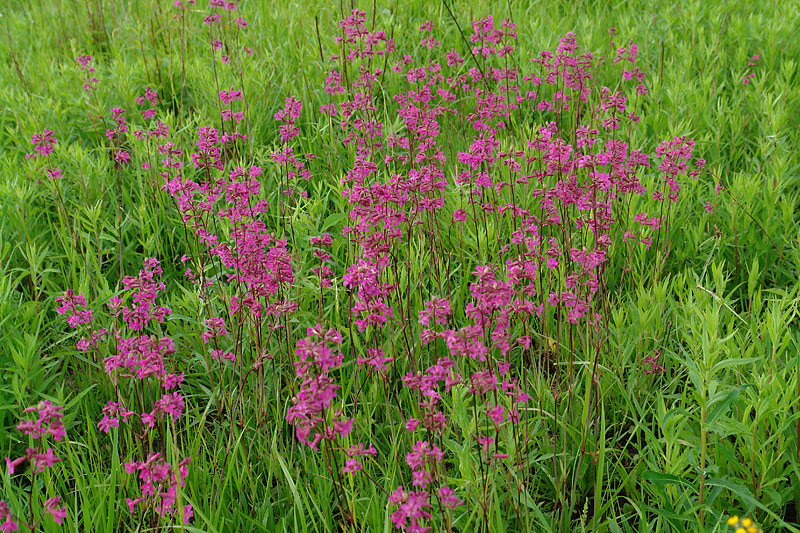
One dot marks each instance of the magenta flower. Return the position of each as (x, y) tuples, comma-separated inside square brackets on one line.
[(159, 484), (375, 360), (351, 466), (48, 422), (496, 414), (7, 524), (653, 365), (43, 144), (215, 328), (411, 510), (448, 498), (58, 513), (42, 461)]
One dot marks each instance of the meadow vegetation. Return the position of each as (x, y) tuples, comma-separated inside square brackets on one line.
[(399, 266)]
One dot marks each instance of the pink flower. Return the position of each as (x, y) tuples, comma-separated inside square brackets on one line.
[(351, 466), (411, 510), (375, 360), (107, 423), (448, 498), (41, 461), (437, 309), (496, 414), (172, 381), (159, 484), (51, 506), (7, 523), (222, 354), (360, 450), (215, 328), (654, 366), (43, 143), (453, 58), (48, 423), (122, 157), (171, 404)]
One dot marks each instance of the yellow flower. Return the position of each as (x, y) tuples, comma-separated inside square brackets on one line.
[(743, 525)]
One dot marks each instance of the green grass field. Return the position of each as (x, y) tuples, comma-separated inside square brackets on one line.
[(662, 391)]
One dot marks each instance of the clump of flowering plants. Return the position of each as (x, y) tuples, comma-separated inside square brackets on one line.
[(397, 310), (542, 205), (40, 423), (544, 198), (147, 404)]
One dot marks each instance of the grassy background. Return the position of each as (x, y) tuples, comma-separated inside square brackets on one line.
[(731, 295)]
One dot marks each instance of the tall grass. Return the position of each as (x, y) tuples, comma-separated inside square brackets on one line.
[(301, 267)]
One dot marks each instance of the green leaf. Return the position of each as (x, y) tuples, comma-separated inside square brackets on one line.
[(748, 499)]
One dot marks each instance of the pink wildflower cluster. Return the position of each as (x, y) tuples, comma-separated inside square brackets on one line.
[(116, 136), (8, 523), (375, 360), (157, 130), (461, 263), (47, 422), (73, 305), (142, 358), (559, 192), (748, 77), (436, 310), (323, 271), (159, 485), (143, 290), (490, 40), (653, 366), (313, 360), (293, 167), (89, 81), (412, 507), (255, 258), (288, 116), (423, 460), (354, 454), (112, 413), (427, 383), (429, 42), (228, 98), (221, 38), (676, 155), (150, 96), (43, 145), (371, 294), (359, 41)]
